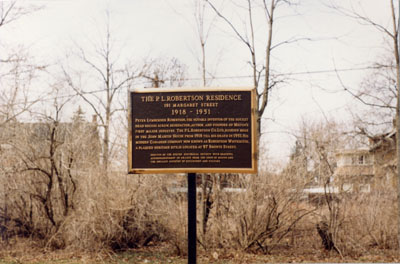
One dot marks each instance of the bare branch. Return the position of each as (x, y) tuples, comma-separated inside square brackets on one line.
[(246, 42), (10, 11), (290, 41), (362, 19)]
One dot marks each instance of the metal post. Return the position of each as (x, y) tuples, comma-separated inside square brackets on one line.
[(191, 194)]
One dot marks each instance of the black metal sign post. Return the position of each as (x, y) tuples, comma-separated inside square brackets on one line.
[(192, 236)]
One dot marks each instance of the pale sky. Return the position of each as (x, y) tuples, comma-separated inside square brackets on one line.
[(165, 28)]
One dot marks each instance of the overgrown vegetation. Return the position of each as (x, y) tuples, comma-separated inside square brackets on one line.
[(63, 186), (268, 213)]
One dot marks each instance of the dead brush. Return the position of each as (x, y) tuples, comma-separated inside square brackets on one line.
[(359, 222), (117, 222), (372, 221), (259, 218)]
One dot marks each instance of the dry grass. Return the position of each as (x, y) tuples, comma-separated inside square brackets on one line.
[(132, 213), (267, 222), (26, 252)]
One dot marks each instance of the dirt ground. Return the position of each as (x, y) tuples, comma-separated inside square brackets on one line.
[(28, 252)]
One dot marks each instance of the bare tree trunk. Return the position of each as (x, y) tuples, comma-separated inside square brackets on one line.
[(106, 140), (265, 92), (205, 206), (203, 176), (396, 53)]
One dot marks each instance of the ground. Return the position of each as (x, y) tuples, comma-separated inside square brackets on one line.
[(29, 254)]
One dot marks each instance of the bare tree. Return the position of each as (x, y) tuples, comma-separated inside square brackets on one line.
[(378, 95), (109, 76), (313, 163), (392, 80), (262, 75), (207, 181), (262, 78)]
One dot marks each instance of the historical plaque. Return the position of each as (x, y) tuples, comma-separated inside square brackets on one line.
[(192, 130)]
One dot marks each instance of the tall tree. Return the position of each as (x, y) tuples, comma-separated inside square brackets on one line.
[(250, 36), (106, 75), (202, 31), (262, 77), (380, 100)]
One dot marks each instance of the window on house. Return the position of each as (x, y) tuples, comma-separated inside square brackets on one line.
[(364, 160), (361, 159)]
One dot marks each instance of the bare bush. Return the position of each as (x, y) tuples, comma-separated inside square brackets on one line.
[(44, 163), (367, 221), (256, 217)]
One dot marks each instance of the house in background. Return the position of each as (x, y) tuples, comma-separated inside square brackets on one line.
[(368, 169), (354, 171)]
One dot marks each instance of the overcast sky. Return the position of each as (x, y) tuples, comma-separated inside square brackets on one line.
[(165, 28)]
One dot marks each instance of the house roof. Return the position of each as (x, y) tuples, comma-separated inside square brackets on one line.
[(380, 139)]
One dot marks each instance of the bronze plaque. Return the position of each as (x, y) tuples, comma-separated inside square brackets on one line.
[(192, 130)]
